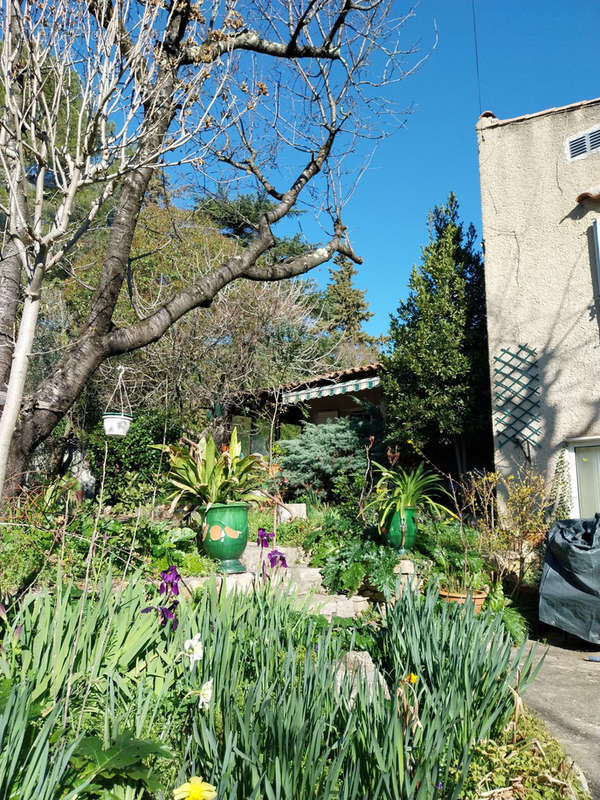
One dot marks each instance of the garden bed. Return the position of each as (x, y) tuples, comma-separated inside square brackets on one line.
[(141, 691)]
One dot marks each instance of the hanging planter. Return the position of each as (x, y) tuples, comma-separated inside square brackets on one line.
[(116, 423)]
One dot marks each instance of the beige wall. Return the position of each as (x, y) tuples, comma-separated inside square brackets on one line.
[(540, 269)]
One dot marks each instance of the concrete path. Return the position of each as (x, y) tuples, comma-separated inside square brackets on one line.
[(566, 695)]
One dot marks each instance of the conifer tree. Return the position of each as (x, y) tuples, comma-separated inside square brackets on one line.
[(346, 306), (435, 374)]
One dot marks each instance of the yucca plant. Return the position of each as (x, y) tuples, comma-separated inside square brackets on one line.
[(201, 476), (398, 489)]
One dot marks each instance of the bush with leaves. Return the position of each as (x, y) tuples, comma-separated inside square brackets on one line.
[(324, 455), (130, 461)]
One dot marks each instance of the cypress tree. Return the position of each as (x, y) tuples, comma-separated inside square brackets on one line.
[(435, 374)]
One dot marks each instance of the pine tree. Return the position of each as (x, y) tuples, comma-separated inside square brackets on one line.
[(435, 374), (347, 308)]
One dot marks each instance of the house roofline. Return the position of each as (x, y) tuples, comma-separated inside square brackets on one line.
[(331, 377), (488, 120)]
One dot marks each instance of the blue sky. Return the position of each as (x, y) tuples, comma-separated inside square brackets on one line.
[(533, 54)]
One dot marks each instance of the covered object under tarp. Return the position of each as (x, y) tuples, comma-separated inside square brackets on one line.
[(570, 587)]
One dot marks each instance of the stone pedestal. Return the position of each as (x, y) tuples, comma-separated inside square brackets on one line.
[(291, 511)]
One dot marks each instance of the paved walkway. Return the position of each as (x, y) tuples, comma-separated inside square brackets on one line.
[(566, 695)]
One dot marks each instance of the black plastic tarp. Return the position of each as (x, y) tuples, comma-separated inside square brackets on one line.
[(570, 586)]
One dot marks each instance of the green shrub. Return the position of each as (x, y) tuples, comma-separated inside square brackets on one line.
[(22, 557), (348, 566), (198, 564), (132, 466), (325, 454), (455, 561)]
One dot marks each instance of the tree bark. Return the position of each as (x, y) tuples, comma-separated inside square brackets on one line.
[(18, 372), (10, 280)]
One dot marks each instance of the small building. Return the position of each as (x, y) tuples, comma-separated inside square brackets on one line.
[(319, 399), (540, 197)]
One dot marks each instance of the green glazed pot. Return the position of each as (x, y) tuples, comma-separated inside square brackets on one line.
[(224, 533), (393, 530)]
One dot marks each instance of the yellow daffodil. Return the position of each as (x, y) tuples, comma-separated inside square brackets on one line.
[(412, 678), (195, 789)]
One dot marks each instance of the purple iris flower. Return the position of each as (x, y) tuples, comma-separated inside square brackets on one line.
[(276, 557), (263, 537), (439, 786), (164, 614), (169, 587), (170, 581)]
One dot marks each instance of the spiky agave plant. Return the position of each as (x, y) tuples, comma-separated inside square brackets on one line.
[(201, 476), (398, 490)]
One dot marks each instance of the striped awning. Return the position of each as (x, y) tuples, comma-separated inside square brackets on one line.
[(357, 385)]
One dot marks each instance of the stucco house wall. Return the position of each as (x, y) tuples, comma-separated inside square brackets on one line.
[(542, 279)]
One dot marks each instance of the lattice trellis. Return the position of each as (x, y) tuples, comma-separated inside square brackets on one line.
[(516, 380)]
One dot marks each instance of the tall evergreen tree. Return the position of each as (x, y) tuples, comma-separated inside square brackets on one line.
[(435, 375), (347, 307), (344, 310)]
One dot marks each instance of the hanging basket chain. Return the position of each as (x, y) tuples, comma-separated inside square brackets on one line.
[(122, 391)]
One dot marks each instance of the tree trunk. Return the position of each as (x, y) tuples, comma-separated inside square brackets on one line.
[(10, 278), (18, 372), (460, 456)]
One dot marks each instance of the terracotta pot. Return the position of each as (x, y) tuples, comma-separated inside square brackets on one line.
[(461, 598)]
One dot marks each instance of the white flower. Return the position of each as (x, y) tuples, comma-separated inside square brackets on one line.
[(205, 694), (193, 649)]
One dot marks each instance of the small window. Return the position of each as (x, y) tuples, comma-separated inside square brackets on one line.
[(584, 144)]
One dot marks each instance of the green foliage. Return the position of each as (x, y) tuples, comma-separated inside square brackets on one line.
[(358, 561), (27, 770), (324, 454), (239, 216), (118, 767), (131, 464), (398, 490), (202, 477), (124, 719), (197, 564), (33, 542), (465, 666), (515, 623), (346, 307), (435, 375), (453, 558), (530, 761)]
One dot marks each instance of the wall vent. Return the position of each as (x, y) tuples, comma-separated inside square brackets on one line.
[(584, 144)]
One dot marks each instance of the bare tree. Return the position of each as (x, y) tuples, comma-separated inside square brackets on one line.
[(253, 337), (100, 95)]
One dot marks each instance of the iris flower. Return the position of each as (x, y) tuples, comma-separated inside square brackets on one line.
[(164, 614), (276, 557), (263, 537), (170, 581), (194, 649), (206, 693), (195, 789)]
